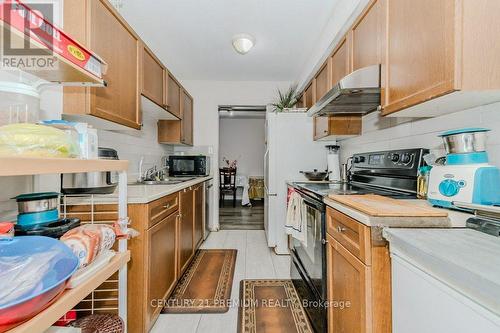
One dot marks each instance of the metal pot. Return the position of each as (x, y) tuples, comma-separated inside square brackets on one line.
[(315, 175), (92, 182), (463, 141), (37, 202)]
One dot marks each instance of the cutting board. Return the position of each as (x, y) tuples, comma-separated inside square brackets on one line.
[(377, 205)]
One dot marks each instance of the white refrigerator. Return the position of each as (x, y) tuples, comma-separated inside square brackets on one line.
[(289, 149)]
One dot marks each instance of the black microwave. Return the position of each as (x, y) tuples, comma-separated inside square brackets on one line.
[(183, 165)]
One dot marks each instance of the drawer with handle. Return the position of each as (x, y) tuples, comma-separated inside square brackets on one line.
[(162, 208), (353, 235)]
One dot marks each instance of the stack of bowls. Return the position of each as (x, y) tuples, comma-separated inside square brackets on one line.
[(37, 209)]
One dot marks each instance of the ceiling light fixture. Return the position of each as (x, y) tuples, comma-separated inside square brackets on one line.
[(243, 43)]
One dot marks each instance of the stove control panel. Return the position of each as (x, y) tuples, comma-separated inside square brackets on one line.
[(404, 159)]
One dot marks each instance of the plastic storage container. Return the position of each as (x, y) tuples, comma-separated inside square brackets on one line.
[(19, 98)]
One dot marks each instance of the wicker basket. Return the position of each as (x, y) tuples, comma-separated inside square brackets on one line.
[(100, 323)]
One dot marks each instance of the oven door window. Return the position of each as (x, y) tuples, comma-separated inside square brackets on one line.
[(184, 165)]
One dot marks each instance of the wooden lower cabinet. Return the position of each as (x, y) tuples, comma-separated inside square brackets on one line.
[(161, 264), (186, 228), (349, 282), (162, 251), (199, 214), (359, 275)]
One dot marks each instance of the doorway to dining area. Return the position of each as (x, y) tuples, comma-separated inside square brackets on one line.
[(241, 173)]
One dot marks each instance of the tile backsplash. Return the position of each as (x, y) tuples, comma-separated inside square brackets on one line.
[(385, 133)]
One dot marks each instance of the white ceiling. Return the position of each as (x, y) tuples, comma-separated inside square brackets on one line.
[(193, 37)]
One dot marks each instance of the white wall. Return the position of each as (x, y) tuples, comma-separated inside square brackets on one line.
[(208, 95), (243, 140), (395, 133)]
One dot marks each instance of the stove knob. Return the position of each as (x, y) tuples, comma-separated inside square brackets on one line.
[(395, 158), (406, 158), (449, 188)]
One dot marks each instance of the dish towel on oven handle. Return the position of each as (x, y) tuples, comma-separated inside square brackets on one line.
[(296, 221)]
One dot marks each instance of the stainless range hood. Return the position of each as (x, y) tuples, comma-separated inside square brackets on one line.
[(357, 93)]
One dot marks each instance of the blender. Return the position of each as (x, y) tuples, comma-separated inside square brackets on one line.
[(466, 176)]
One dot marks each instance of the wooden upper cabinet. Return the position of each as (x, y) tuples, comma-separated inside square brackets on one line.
[(350, 280), (420, 56), (101, 28), (368, 36), (340, 62), (173, 96), (309, 95), (153, 78), (323, 79), (187, 118)]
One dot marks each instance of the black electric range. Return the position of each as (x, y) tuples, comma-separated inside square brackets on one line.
[(320, 190), (387, 173)]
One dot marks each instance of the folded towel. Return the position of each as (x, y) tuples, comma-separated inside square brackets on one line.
[(295, 224)]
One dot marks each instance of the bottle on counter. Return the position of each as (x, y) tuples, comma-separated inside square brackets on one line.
[(423, 181)]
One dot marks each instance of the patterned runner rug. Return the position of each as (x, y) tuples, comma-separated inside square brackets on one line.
[(206, 285), (271, 306)]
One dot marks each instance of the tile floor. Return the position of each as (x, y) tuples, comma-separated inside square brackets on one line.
[(254, 261)]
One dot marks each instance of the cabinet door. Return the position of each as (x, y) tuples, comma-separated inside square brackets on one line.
[(420, 56), (340, 63), (348, 280), (368, 37), (309, 96), (173, 96), (199, 214), (152, 78), (113, 40), (162, 272), (186, 228), (187, 118), (321, 127), (323, 80)]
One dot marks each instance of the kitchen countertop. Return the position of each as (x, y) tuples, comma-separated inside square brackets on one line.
[(464, 259), (455, 219), (138, 194)]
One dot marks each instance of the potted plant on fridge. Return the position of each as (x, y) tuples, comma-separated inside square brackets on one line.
[(287, 100)]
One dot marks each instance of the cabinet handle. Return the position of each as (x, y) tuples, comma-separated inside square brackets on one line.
[(325, 131), (340, 229), (167, 206), (324, 241), (179, 216)]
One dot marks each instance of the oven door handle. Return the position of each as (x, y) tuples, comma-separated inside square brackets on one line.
[(317, 205)]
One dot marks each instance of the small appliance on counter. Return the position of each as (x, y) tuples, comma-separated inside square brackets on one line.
[(104, 182), (466, 176), (333, 162), (185, 165)]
